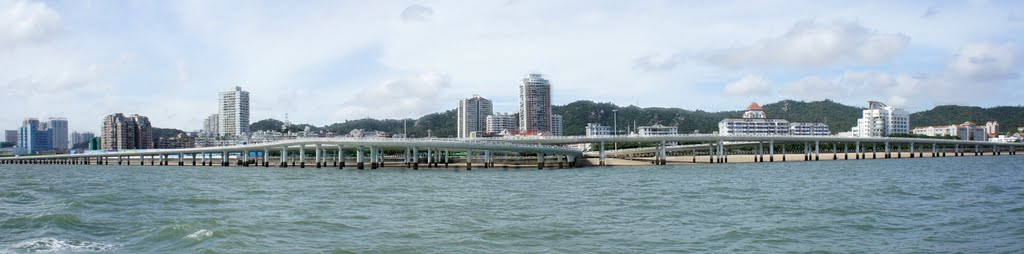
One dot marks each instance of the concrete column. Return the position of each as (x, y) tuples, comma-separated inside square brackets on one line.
[(224, 155), (415, 152), (856, 150), (284, 157), (711, 157), (888, 153), (469, 159), (759, 157), (430, 158), (816, 150), (359, 157), (771, 151), (446, 158), (725, 152), (661, 154), (302, 156), (317, 156), (911, 150), (373, 157), (601, 154), (540, 161), (341, 156)]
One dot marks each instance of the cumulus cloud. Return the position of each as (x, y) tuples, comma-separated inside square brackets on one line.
[(812, 44), (406, 96), (657, 62), (987, 61), (931, 11), (26, 22), (417, 13), (750, 85)]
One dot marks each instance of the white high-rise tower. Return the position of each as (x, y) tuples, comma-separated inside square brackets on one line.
[(473, 114), (234, 112)]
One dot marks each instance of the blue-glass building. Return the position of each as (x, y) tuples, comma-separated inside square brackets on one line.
[(34, 138)]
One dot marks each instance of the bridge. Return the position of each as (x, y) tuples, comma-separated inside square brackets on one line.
[(412, 151), (435, 151), (717, 152)]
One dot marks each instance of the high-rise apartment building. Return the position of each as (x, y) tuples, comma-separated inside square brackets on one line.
[(132, 132), (11, 136), (534, 105), (234, 112), (81, 137), (992, 128), (556, 125), (499, 122), (34, 137), (211, 125), (472, 115), (59, 133), (880, 120)]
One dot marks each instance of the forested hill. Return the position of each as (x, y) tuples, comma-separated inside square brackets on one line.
[(1009, 117), (576, 115)]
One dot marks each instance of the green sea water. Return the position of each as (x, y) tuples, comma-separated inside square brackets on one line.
[(973, 205)]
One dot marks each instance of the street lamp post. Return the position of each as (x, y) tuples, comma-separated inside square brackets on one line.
[(615, 123)]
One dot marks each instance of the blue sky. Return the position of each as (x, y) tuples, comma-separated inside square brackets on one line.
[(327, 61)]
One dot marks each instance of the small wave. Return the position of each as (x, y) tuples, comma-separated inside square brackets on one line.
[(200, 235), (58, 245), (208, 201)]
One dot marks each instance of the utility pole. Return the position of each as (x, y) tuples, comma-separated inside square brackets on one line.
[(405, 129), (615, 123)]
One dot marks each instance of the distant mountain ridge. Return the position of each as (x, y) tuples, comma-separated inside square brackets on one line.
[(577, 114)]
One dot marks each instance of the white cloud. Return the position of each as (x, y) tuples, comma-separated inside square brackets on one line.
[(407, 96), (987, 61), (655, 62), (417, 12), (750, 85), (809, 44), (27, 22)]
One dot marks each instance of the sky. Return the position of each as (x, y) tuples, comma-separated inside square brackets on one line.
[(322, 62)]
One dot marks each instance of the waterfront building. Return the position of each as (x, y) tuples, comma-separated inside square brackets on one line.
[(534, 105), (992, 128), (596, 129), (81, 137), (500, 122), (234, 113), (556, 125), (59, 133), (11, 136), (753, 122), (965, 131), (880, 120), (95, 143), (211, 125), (657, 130), (34, 137), (808, 129), (472, 115), (179, 141), (132, 132)]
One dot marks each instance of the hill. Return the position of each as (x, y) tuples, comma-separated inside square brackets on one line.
[(577, 114), (1009, 117)]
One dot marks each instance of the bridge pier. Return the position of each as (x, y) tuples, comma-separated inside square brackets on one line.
[(302, 156), (846, 151), (360, 163), (711, 154), (469, 159), (284, 157), (771, 151), (540, 161), (759, 157), (341, 156), (446, 158), (318, 154), (911, 150), (601, 155), (373, 157), (224, 157)]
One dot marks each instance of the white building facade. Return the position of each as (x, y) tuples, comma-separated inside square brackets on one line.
[(596, 129), (808, 129), (500, 122), (234, 113), (754, 122), (965, 131), (880, 120), (556, 125), (211, 125), (472, 115)]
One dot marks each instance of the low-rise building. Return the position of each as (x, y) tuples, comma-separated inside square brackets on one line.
[(596, 129), (499, 122), (965, 131), (808, 129), (754, 122), (180, 141)]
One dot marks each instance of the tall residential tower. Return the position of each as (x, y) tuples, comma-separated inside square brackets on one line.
[(234, 112), (473, 114), (534, 105)]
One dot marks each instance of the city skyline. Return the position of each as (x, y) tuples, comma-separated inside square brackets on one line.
[(67, 63)]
